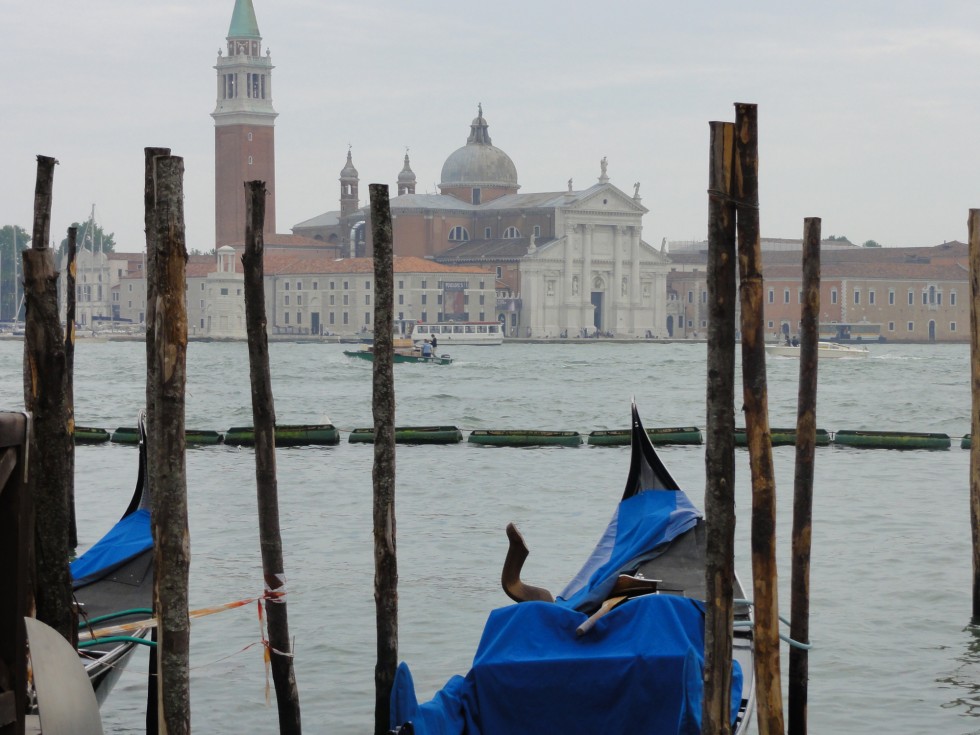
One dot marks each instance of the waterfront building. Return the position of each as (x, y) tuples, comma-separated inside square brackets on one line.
[(101, 287), (570, 262), (914, 294)]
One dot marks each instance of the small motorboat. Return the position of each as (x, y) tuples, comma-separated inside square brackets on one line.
[(825, 350), (620, 650), (402, 355)]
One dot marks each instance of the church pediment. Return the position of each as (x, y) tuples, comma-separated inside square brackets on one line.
[(607, 198)]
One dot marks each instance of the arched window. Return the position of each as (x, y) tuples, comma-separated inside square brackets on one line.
[(458, 234), (511, 233)]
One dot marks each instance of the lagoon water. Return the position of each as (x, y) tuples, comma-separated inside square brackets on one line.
[(891, 569)]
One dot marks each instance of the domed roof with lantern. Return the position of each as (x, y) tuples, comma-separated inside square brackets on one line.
[(479, 163)]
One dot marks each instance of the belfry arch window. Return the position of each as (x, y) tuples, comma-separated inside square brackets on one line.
[(458, 234), (511, 233)]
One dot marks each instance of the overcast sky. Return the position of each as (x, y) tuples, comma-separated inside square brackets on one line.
[(869, 112)]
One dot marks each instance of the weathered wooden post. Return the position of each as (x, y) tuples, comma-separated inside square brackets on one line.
[(44, 398), (755, 399), (974, 225), (719, 458), (806, 442), (264, 423), (16, 540), (71, 271), (166, 325), (385, 560), (149, 208)]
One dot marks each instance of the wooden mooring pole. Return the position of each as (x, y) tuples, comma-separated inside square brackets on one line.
[(71, 271), (974, 226), (719, 458), (806, 442), (166, 326), (383, 403), (44, 397), (755, 399), (267, 488)]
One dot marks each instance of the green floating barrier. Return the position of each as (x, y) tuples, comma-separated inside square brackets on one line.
[(126, 435), (782, 437), (892, 440), (199, 436), (621, 437), (524, 438), (90, 435), (413, 435), (131, 435), (287, 435), (965, 442)]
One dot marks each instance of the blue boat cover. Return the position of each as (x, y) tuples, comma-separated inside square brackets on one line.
[(639, 670), (129, 538), (638, 532)]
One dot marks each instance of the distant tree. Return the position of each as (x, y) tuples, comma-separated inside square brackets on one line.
[(196, 251), (838, 238), (91, 236), (870, 244), (9, 262)]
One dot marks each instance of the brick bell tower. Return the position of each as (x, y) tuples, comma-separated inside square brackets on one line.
[(244, 132)]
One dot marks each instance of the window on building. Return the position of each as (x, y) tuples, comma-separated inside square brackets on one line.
[(799, 296), (367, 299), (346, 318), (425, 316), (458, 234), (346, 285), (285, 285), (925, 298), (891, 297), (476, 198), (952, 326), (891, 326), (425, 284), (833, 295), (871, 296), (367, 317), (500, 271), (202, 285), (932, 294), (487, 232), (316, 286), (224, 292), (285, 316), (537, 230), (299, 317), (481, 301), (939, 298), (439, 299), (130, 287), (401, 299), (424, 301), (511, 233), (299, 300), (285, 299), (690, 297), (367, 285), (332, 285), (911, 326), (346, 299), (704, 297), (785, 295), (332, 318), (299, 285), (911, 297), (772, 295), (771, 324), (952, 298), (857, 296), (401, 284), (332, 300)]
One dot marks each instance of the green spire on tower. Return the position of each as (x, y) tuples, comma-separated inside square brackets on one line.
[(243, 23)]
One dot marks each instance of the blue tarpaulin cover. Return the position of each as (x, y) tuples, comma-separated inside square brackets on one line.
[(639, 670), (127, 539)]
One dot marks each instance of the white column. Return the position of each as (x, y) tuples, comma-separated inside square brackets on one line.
[(617, 289), (588, 318)]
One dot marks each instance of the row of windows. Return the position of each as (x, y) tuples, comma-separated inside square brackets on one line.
[(910, 326), (297, 317), (461, 234), (332, 285), (930, 297)]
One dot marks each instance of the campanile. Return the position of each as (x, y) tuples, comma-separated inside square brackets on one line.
[(244, 127)]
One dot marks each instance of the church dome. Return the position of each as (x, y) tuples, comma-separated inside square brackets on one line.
[(348, 171), (479, 163)]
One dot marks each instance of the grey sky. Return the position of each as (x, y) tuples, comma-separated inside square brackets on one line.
[(868, 111)]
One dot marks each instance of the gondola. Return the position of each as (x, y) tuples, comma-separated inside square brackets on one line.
[(112, 583), (621, 649)]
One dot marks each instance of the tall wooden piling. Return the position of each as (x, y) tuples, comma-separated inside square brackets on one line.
[(267, 488), (44, 398), (806, 442), (71, 271), (719, 458), (383, 403), (755, 399), (974, 226), (166, 326)]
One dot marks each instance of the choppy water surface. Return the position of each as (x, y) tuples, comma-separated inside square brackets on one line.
[(891, 569)]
